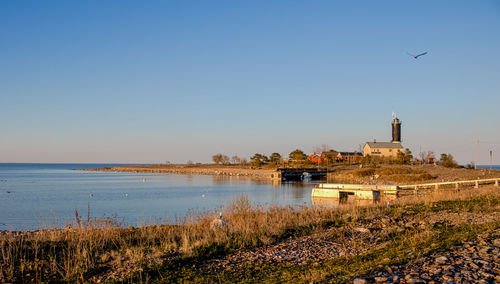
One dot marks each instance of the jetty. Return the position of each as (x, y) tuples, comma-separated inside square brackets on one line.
[(297, 174), (358, 191), (363, 191)]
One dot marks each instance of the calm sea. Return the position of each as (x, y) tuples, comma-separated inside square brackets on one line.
[(36, 196), (495, 167)]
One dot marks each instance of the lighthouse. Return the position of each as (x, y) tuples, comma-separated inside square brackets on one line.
[(386, 149), (396, 129)]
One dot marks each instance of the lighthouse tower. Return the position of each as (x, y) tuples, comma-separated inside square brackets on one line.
[(396, 129)]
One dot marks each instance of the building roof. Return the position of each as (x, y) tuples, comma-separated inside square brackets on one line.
[(385, 145), (350, 154)]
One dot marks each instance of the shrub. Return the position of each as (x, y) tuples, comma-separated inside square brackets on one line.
[(448, 161)]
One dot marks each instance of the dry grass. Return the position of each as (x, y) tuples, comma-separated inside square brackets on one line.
[(76, 253), (104, 247), (407, 174), (386, 175)]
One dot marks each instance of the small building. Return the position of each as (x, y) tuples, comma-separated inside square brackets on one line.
[(386, 149), (382, 149), (316, 158), (349, 157), (323, 157)]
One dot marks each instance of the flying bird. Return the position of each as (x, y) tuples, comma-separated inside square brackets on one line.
[(417, 56)]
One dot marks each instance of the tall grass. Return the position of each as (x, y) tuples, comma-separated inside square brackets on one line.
[(393, 175), (89, 248)]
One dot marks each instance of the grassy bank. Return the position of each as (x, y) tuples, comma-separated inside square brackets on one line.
[(407, 174), (177, 252)]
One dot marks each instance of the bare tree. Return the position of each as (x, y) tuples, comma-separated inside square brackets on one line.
[(235, 160), (225, 160), (322, 148), (217, 158), (360, 148)]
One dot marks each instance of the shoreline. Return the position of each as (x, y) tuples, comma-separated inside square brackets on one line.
[(341, 173), (258, 174), (279, 244)]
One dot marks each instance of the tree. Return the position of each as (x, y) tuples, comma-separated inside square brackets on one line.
[(400, 157), (321, 149), (225, 160), (235, 160), (297, 155), (275, 158), (408, 156), (404, 157), (259, 159), (366, 159), (448, 161), (217, 158)]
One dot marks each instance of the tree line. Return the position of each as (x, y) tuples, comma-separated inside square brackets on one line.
[(259, 159), (298, 156)]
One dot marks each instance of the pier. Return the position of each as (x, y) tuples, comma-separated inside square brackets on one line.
[(297, 174), (358, 191), (362, 191)]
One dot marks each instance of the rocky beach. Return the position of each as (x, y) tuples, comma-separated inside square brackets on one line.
[(442, 237), (248, 172)]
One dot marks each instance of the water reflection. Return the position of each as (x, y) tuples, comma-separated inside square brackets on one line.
[(56, 191)]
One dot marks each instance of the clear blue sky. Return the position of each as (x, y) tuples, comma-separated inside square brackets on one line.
[(150, 81)]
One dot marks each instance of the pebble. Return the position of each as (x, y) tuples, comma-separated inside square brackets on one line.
[(459, 265), (297, 250), (441, 260)]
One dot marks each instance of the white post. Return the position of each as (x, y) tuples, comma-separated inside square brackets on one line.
[(477, 150), (491, 159)]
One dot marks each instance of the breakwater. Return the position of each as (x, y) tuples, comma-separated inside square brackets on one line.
[(186, 170)]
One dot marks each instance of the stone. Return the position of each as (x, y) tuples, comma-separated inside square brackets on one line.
[(362, 230), (441, 260), (359, 281), (416, 281), (487, 275), (219, 223), (381, 279)]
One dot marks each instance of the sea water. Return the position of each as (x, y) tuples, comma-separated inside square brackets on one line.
[(34, 196)]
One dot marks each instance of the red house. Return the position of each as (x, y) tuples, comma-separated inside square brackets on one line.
[(316, 158)]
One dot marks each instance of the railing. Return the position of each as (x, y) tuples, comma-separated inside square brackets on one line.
[(357, 186), (456, 184), (395, 189)]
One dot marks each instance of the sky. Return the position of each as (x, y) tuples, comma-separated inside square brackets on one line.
[(155, 81)]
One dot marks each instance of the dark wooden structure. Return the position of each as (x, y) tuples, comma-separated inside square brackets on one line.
[(297, 174)]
